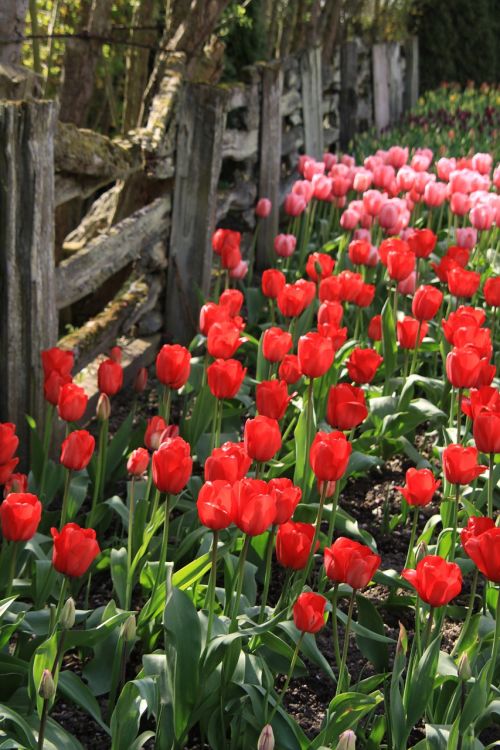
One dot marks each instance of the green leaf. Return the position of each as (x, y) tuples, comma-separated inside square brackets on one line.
[(389, 345), (201, 416), (43, 658), (192, 572), (309, 648), (25, 732), (134, 701), (118, 447), (77, 691), (369, 617), (421, 684), (476, 700), (119, 572)]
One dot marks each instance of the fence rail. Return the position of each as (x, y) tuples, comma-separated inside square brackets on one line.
[(206, 153)]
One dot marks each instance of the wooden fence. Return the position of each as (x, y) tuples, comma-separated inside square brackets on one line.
[(205, 155)]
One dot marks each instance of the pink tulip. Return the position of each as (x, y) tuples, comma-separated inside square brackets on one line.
[(466, 237), (294, 204), (407, 286), (263, 208), (435, 194), (481, 217), (373, 201), (349, 220), (284, 245), (482, 163)]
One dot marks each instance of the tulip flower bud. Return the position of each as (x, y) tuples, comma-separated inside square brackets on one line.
[(47, 689), (67, 619), (140, 380), (129, 629), (422, 551), (402, 644), (266, 739), (347, 740), (103, 407), (464, 668)]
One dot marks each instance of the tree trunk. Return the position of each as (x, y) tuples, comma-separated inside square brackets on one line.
[(200, 23), (12, 22), (300, 27), (80, 62), (290, 20), (332, 26), (313, 24), (137, 63)]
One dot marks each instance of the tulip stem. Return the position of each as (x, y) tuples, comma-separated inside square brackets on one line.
[(459, 413), (333, 514), (210, 599), (409, 555), (455, 523), (428, 630), (309, 420), (288, 678), (415, 351), (128, 590), (64, 509), (60, 603), (343, 662), (166, 403), (100, 470), (43, 723), (47, 434), (284, 591), (267, 575), (490, 485), (240, 576), (470, 611), (335, 629), (310, 558), (496, 644), (12, 569)]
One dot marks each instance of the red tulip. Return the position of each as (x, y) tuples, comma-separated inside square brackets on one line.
[(462, 283), (273, 282), (289, 369), (116, 353), (20, 515), (329, 455), (223, 339), (138, 462), (330, 312), (253, 508), (154, 431), (359, 252), (211, 313), (363, 364), (72, 402), (287, 497), (422, 242), (6, 470), (420, 487), (293, 544), (319, 266), (110, 377), (486, 431), (230, 463), (225, 377), (346, 407), (15, 483), (8, 441), (464, 317), (375, 328), (347, 561), (309, 612), (214, 505), (272, 398), (330, 289), (77, 450), (226, 244), (460, 464), (392, 244), (463, 366), (57, 360), (232, 300), (365, 296), (173, 365), (52, 386), (172, 465), (476, 525), (262, 438), (407, 330), (459, 254), (436, 581), (484, 551), (351, 285), (478, 338), (491, 291), (442, 269), (292, 300), (315, 354), (479, 399), (275, 344), (426, 302), (141, 380), (400, 264), (75, 549)]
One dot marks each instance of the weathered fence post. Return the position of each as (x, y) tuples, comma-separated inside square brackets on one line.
[(411, 73), (28, 318), (381, 86), (348, 99), (270, 158), (312, 101), (199, 156)]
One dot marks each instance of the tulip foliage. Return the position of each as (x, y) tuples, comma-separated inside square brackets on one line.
[(202, 556)]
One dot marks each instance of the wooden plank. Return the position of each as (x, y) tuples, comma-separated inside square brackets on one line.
[(240, 144), (312, 95), (85, 152), (396, 85), (381, 86), (348, 93), (28, 315), (411, 73), (85, 271), (199, 156), (270, 158)]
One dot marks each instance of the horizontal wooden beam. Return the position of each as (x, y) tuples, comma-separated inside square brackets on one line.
[(104, 256), (84, 152)]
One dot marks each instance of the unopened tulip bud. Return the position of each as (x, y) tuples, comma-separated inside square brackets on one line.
[(129, 629), (116, 353), (103, 407), (422, 551), (464, 668), (141, 380), (47, 689), (402, 644), (266, 739), (347, 740), (67, 619)]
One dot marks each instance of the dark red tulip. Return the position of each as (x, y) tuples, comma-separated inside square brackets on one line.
[(253, 508), (293, 544), (262, 438), (173, 365), (363, 364), (77, 450), (72, 402), (272, 398), (375, 328), (309, 612), (436, 581), (346, 407), (420, 487), (484, 551), (20, 515), (276, 343), (315, 354), (329, 455), (172, 465), (348, 561), (287, 497), (225, 377), (214, 505), (75, 549), (230, 462)]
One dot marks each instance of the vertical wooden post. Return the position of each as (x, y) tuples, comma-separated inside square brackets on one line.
[(396, 84), (312, 101), (28, 317), (270, 158), (411, 73), (348, 98), (199, 156), (381, 92)]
